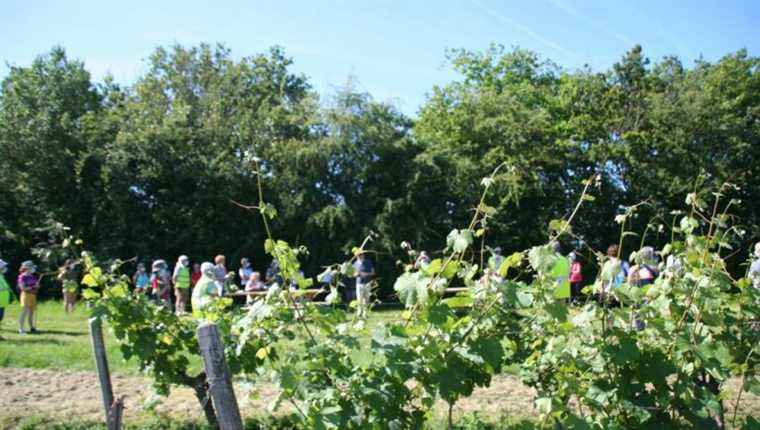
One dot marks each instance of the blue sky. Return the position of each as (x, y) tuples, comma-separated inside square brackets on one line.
[(395, 49)]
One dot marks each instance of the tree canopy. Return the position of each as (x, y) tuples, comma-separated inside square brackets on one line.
[(161, 167)]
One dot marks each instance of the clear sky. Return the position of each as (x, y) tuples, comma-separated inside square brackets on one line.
[(394, 48)]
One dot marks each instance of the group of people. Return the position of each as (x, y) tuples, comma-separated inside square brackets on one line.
[(175, 287), (208, 280), (184, 283), (199, 284), (642, 269)]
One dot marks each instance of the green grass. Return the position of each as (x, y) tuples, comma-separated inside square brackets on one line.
[(63, 341)]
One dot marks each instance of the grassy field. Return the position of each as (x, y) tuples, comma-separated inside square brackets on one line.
[(63, 341)]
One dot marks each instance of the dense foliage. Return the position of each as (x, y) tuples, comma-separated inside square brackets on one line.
[(152, 169), (661, 358)]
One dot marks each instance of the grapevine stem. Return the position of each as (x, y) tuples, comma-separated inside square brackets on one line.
[(741, 389)]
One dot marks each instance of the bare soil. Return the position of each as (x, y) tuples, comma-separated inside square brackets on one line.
[(76, 395)]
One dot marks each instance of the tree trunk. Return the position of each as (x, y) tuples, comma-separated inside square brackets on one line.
[(200, 386)]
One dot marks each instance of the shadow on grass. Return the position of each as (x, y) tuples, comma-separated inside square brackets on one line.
[(63, 332), (33, 339)]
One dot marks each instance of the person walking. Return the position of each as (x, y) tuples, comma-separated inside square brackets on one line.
[(29, 284), (365, 271), (181, 280)]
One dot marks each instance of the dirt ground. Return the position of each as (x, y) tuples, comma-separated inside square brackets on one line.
[(69, 395)]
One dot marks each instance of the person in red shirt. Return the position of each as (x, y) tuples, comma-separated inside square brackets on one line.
[(576, 277), (196, 274)]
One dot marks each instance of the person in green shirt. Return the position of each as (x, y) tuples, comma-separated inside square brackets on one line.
[(5, 291), (181, 280), (205, 290)]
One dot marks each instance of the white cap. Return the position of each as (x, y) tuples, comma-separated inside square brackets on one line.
[(646, 254), (207, 268)]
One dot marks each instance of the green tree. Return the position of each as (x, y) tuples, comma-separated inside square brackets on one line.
[(43, 112)]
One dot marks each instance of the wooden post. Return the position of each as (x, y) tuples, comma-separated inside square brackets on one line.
[(101, 364), (218, 376), (115, 415)]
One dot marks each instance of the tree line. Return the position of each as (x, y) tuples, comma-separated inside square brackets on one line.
[(161, 167)]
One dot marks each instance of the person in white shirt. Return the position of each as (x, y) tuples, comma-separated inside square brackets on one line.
[(245, 271)]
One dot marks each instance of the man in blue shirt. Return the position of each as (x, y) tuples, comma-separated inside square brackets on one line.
[(365, 271)]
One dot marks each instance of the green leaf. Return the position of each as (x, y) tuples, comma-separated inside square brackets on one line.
[(599, 395), (559, 225), (451, 269), (460, 240), (89, 294), (558, 311), (524, 299), (118, 290), (459, 301), (268, 211), (688, 224), (514, 260), (89, 280), (406, 288), (543, 405), (434, 267), (488, 210)]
